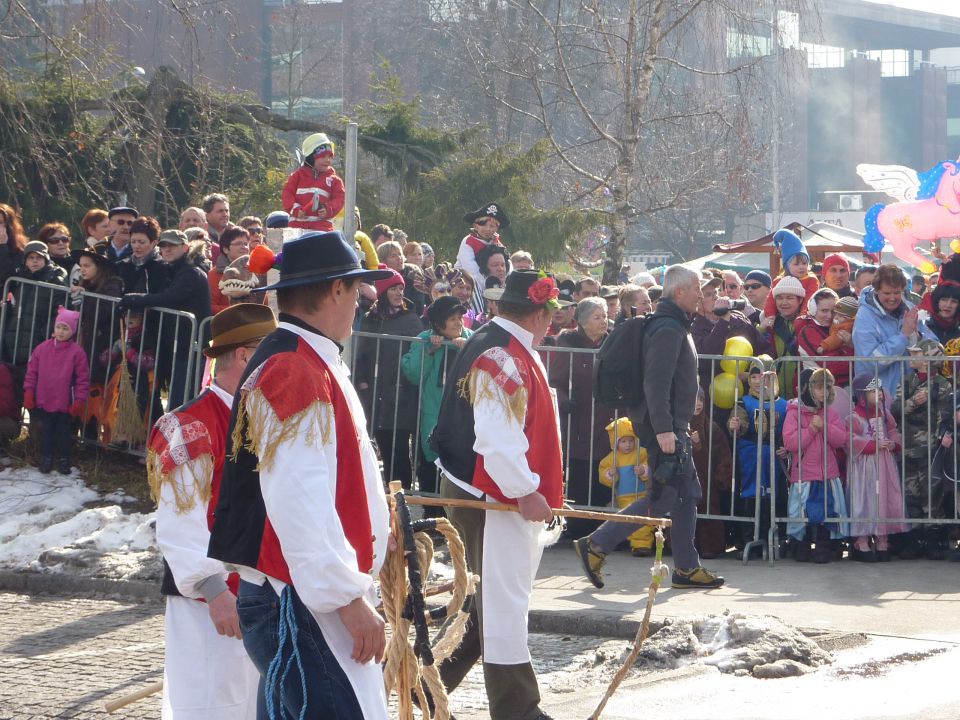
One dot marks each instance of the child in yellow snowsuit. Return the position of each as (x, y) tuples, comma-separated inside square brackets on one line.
[(625, 470)]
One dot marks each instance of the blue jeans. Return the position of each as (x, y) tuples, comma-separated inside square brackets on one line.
[(323, 690)]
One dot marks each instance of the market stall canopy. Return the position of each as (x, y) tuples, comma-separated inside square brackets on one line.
[(820, 239)]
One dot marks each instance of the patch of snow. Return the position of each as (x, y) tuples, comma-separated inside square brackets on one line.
[(44, 525)]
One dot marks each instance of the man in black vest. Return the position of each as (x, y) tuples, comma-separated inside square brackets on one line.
[(498, 438)]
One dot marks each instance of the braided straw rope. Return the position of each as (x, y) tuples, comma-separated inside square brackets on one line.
[(659, 571), (403, 671)]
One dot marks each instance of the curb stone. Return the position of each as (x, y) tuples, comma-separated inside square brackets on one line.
[(541, 621), (32, 583), (552, 622)]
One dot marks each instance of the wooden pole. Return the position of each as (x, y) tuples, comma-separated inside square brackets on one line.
[(562, 512), (130, 698)]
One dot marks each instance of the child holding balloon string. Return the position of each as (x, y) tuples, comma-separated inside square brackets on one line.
[(754, 415)]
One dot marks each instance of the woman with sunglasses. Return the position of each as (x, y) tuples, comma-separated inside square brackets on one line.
[(56, 237)]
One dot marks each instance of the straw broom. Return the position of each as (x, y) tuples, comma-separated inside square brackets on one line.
[(129, 423)]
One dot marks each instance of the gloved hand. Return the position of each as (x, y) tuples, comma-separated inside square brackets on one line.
[(29, 399), (131, 301), (669, 467), (76, 410)]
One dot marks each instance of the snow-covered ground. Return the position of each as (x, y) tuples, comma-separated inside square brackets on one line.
[(54, 523)]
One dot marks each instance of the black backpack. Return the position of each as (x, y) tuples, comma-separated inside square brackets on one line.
[(618, 368)]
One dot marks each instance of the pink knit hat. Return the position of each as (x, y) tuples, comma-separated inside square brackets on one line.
[(383, 285), (70, 318)]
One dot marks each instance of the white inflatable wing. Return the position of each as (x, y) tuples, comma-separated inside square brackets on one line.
[(897, 181)]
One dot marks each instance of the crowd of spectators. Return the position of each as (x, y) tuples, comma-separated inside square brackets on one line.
[(806, 325), (120, 275)]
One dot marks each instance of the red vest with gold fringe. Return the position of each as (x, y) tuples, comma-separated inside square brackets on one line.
[(194, 435), (530, 401), (287, 380)]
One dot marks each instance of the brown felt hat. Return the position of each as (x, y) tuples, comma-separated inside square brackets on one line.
[(238, 325)]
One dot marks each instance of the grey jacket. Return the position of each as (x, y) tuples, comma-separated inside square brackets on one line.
[(670, 378)]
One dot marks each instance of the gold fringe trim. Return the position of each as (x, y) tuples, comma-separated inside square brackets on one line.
[(471, 389), (184, 499), (266, 432)]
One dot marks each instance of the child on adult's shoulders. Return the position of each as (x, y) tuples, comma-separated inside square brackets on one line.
[(796, 264)]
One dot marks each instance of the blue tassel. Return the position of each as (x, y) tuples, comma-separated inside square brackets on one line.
[(287, 630)]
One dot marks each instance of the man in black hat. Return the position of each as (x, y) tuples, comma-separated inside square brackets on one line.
[(485, 222), (302, 513), (117, 246), (498, 438), (206, 671)]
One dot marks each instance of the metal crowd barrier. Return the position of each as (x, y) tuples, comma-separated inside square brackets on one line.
[(27, 318), (376, 370), (933, 470)]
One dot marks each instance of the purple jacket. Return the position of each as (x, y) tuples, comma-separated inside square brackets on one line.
[(55, 369)]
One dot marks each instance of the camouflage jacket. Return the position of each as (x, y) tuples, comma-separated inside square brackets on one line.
[(919, 422)]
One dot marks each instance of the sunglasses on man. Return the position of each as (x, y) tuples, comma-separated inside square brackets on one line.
[(121, 222), (752, 286), (58, 239)]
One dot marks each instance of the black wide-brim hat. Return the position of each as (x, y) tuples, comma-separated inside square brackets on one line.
[(443, 307), (318, 257), (98, 258), (516, 287), (489, 210)]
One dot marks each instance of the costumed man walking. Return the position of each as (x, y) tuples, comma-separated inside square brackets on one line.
[(662, 423), (484, 225), (498, 438), (207, 674), (302, 512)]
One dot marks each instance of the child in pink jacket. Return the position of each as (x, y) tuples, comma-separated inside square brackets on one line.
[(811, 432), (55, 389)]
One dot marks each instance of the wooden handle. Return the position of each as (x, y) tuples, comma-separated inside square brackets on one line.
[(114, 705), (562, 512)]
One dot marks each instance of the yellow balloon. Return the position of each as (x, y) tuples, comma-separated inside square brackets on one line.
[(725, 390), (739, 347)]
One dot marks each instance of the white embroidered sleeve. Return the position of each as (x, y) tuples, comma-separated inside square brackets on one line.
[(183, 537), (500, 439), (299, 492)]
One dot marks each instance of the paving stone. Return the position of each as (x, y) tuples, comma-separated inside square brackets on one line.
[(64, 657)]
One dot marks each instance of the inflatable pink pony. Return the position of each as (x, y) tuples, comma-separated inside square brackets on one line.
[(929, 209)]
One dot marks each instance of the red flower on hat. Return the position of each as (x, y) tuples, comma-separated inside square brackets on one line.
[(543, 291)]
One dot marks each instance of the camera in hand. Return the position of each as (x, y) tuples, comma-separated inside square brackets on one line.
[(738, 305)]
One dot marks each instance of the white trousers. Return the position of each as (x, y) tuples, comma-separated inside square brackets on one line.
[(511, 555), (206, 676)]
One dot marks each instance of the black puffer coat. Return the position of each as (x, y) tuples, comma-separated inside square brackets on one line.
[(390, 401), (30, 317)]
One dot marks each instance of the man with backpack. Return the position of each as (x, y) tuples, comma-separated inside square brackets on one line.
[(667, 366)]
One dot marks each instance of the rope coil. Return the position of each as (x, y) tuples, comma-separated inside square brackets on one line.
[(409, 668)]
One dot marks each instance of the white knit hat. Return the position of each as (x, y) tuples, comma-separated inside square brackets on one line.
[(789, 285)]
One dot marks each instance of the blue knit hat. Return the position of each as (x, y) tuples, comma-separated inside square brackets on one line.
[(789, 245)]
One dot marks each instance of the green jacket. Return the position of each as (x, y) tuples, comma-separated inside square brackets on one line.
[(423, 365)]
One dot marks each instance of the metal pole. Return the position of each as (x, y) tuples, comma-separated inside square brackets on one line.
[(350, 182)]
